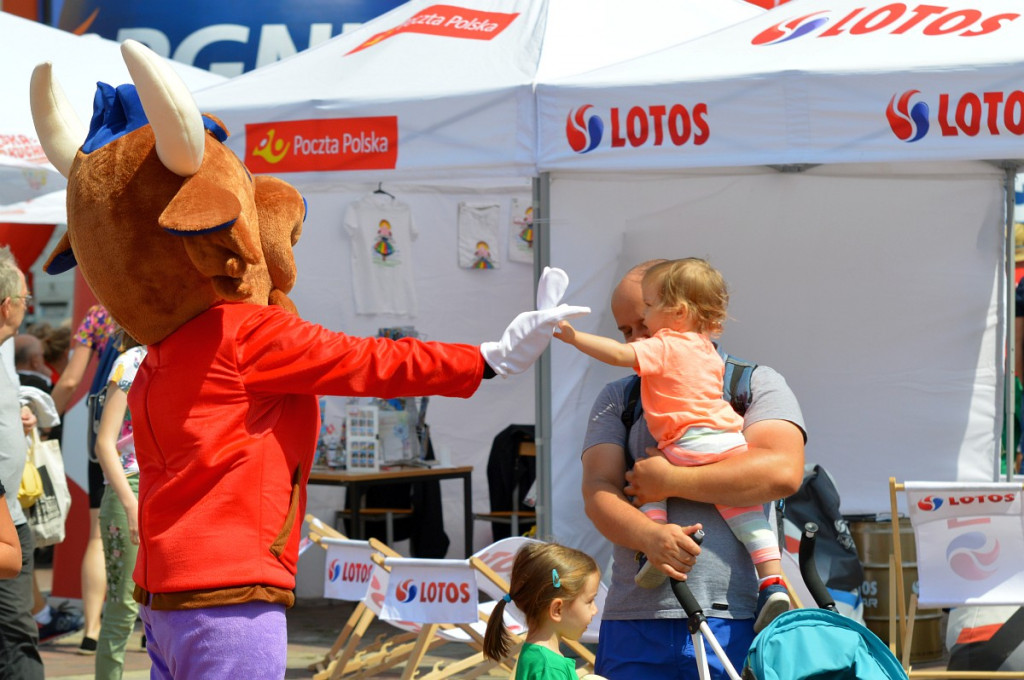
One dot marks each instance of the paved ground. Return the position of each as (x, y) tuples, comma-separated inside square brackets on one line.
[(312, 629)]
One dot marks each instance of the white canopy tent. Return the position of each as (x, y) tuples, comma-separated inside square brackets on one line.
[(78, 62), (828, 158), (49, 208), (451, 90)]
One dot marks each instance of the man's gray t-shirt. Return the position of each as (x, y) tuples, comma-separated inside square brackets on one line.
[(724, 572)]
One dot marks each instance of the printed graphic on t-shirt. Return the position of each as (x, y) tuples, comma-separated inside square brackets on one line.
[(520, 235), (483, 256), (384, 250)]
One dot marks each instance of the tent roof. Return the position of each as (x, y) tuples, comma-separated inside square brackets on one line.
[(78, 62), (449, 88), (807, 82)]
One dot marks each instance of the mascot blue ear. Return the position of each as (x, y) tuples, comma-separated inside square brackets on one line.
[(62, 258)]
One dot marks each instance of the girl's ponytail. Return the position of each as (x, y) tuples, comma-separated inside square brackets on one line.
[(497, 640)]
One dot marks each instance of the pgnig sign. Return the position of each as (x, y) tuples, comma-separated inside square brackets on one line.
[(226, 38)]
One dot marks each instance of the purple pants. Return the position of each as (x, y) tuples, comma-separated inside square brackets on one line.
[(236, 641)]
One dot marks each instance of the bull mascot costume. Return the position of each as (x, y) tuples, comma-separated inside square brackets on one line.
[(192, 256)]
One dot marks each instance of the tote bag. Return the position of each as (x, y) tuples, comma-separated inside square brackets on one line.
[(47, 516)]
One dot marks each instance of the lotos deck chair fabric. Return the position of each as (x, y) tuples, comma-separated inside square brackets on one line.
[(970, 542), (969, 538)]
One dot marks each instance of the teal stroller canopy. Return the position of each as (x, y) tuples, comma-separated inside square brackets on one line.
[(818, 644)]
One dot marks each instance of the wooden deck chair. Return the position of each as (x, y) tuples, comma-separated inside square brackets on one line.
[(439, 599), (347, 659), (345, 655), (970, 541)]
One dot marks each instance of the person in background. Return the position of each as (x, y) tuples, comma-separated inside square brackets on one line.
[(32, 372), (10, 546), (19, 634), (119, 512), (644, 632), (29, 362), (90, 340), (1018, 327), (56, 346)]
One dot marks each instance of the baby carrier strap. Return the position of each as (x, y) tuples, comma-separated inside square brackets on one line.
[(735, 390)]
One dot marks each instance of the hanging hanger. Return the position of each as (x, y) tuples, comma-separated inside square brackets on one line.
[(380, 190)]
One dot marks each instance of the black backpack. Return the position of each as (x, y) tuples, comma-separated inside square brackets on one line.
[(735, 390)]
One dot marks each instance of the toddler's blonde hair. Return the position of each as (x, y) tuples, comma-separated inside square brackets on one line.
[(693, 285)]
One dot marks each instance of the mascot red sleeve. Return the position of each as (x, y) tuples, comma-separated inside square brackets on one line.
[(192, 256)]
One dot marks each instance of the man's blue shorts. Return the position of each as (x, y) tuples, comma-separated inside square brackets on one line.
[(663, 648)]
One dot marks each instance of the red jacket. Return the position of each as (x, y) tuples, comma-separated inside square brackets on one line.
[(226, 420)]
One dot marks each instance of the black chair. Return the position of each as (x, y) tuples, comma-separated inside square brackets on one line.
[(511, 471)]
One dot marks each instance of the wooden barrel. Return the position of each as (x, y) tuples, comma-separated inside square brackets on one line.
[(874, 546)]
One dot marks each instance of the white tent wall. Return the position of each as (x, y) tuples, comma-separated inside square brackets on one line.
[(454, 305), (874, 289)]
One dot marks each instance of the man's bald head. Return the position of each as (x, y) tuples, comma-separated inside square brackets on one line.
[(628, 302), (28, 353)]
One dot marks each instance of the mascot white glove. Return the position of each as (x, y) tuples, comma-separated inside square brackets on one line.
[(528, 335)]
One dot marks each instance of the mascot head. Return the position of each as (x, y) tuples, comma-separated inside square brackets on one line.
[(163, 219)]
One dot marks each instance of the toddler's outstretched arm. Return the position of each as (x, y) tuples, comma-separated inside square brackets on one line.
[(603, 349)]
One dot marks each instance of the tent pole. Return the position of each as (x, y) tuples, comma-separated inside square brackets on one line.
[(542, 436), (1010, 176)]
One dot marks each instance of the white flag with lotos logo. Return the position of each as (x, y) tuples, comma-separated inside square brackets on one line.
[(970, 539), (348, 569), (430, 591)]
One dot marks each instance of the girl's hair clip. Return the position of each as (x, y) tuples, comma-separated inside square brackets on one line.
[(555, 581), (506, 597)]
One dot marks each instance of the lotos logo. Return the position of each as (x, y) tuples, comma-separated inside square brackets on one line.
[(447, 21), (583, 134), (406, 591), (932, 503), (654, 125), (971, 113), (432, 591), (788, 30), (333, 571), (322, 145), (895, 18), (970, 557), (909, 124)]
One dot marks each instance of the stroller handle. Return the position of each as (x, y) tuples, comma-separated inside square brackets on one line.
[(694, 613), (809, 570)]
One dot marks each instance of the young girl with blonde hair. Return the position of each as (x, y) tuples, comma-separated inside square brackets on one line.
[(685, 304), (555, 588)]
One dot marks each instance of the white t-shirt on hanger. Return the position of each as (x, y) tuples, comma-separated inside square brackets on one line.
[(382, 232)]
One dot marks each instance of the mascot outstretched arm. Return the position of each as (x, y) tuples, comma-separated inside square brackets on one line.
[(193, 257)]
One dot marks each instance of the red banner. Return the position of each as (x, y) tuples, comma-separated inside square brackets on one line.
[(322, 145), (448, 21)]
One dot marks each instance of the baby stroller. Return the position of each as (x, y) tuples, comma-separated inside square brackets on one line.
[(802, 644)]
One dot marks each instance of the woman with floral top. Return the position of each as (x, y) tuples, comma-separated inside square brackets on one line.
[(88, 341), (119, 512)]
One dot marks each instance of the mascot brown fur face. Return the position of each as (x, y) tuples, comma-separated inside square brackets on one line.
[(164, 220)]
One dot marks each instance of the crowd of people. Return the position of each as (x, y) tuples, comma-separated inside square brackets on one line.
[(54, 360)]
